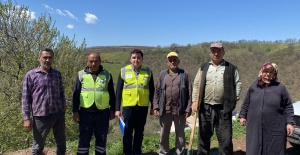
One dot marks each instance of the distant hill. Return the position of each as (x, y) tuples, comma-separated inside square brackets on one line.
[(107, 49), (248, 56)]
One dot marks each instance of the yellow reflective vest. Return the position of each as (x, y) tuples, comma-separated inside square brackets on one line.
[(94, 91), (136, 89)]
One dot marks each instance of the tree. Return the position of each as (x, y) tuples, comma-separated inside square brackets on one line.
[(174, 47), (21, 39)]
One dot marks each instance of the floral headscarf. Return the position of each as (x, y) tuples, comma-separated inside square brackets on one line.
[(265, 67)]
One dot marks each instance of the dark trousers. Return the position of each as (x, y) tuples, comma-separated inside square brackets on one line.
[(212, 116), (135, 120), (90, 123), (41, 128)]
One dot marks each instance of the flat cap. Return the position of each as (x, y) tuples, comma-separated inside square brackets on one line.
[(216, 44)]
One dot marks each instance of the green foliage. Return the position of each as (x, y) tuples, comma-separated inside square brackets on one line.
[(237, 129), (115, 147), (151, 143), (22, 38)]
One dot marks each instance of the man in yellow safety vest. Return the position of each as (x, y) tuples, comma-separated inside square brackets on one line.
[(135, 90), (93, 104)]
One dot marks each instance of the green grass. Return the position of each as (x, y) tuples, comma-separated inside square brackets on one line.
[(117, 61), (118, 57), (114, 69)]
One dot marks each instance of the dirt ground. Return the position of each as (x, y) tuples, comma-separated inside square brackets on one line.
[(238, 143), (47, 151)]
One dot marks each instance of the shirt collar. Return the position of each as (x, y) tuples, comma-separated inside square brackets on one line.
[(136, 70), (178, 72), (221, 64), (38, 69)]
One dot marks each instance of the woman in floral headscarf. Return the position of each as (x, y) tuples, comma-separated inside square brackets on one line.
[(268, 111)]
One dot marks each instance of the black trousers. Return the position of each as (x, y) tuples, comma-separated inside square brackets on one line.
[(212, 117), (41, 128), (96, 123), (135, 120)]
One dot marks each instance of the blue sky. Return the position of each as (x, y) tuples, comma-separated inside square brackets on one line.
[(164, 22)]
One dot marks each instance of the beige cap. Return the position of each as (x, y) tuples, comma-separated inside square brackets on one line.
[(172, 54), (217, 45)]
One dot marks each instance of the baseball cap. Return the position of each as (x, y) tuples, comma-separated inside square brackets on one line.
[(216, 44), (172, 54)]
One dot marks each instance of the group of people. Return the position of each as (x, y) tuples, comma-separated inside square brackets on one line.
[(267, 109)]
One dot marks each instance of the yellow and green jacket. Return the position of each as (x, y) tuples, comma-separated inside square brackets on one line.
[(94, 91), (135, 89)]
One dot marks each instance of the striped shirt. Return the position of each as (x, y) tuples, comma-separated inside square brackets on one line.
[(43, 93)]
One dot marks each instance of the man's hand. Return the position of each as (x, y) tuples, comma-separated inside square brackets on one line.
[(28, 125), (187, 114), (194, 108), (156, 113), (290, 129), (117, 114), (151, 111), (243, 121), (111, 115), (76, 117)]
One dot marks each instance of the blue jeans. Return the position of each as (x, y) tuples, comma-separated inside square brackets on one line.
[(41, 128), (90, 123), (134, 119)]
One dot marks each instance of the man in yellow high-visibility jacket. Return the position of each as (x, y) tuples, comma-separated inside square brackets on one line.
[(135, 90), (93, 105)]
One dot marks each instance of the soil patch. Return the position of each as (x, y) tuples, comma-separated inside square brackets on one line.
[(47, 151)]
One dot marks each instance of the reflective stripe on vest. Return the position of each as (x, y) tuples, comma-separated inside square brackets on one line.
[(94, 91), (136, 89)]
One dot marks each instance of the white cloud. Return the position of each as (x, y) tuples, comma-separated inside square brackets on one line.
[(51, 10), (27, 13), (31, 14), (90, 18), (60, 12), (70, 26), (70, 14)]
